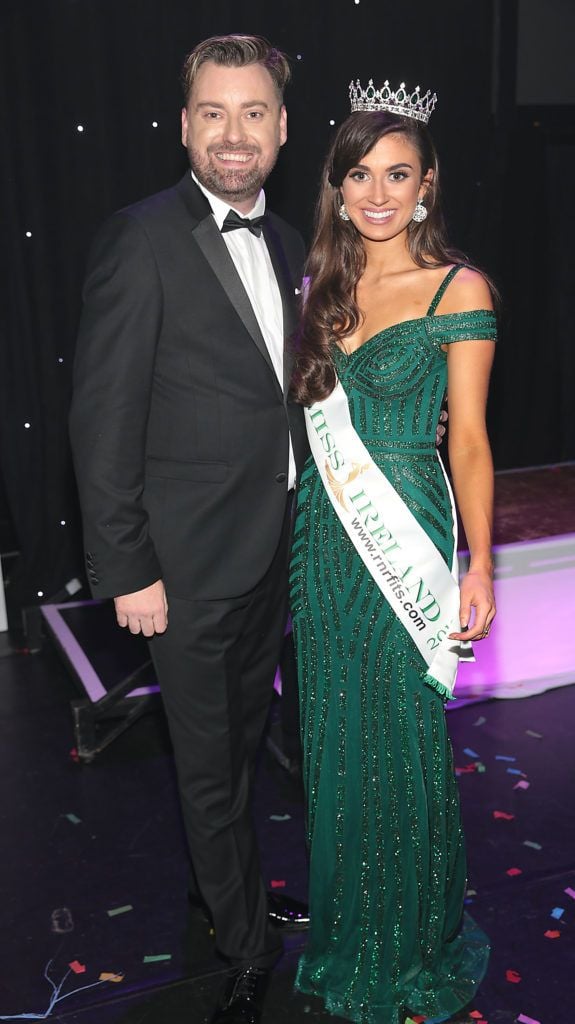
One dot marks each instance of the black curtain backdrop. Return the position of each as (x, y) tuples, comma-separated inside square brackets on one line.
[(82, 83)]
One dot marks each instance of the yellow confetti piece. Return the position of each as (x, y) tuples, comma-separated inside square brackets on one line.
[(107, 976)]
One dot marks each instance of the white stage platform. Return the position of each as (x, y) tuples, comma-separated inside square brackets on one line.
[(531, 647)]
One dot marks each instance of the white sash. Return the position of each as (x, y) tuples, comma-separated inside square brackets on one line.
[(402, 559)]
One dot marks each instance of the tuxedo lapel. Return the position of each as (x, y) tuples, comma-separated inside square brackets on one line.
[(215, 250), (209, 239), (287, 292)]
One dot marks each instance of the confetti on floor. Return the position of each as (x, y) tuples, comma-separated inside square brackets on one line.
[(61, 921), (119, 910), (56, 996), (513, 977)]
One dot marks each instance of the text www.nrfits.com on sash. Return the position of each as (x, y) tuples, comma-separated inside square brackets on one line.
[(394, 582)]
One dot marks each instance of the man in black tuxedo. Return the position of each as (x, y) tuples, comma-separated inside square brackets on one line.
[(186, 446)]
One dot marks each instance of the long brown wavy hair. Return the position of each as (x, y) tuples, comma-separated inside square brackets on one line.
[(337, 256)]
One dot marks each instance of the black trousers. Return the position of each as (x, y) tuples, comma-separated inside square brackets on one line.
[(216, 664)]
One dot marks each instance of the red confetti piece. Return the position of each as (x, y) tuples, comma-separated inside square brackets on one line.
[(504, 815), (476, 1015), (277, 884), (514, 871), (74, 756), (466, 768), (552, 934), (513, 977), (419, 1019), (77, 967)]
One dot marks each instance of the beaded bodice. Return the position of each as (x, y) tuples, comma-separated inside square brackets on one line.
[(403, 371)]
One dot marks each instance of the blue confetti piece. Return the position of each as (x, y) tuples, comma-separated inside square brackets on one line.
[(470, 753), (503, 757), (514, 771), (557, 913)]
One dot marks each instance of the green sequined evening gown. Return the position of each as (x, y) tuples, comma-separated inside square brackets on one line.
[(387, 860)]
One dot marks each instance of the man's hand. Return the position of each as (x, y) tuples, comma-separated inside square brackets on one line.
[(145, 611), (440, 429)]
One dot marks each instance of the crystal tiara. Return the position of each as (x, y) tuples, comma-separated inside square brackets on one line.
[(399, 102)]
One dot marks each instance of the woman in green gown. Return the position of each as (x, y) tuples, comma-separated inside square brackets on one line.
[(401, 320)]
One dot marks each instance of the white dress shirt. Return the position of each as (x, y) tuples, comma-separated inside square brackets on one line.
[(253, 264)]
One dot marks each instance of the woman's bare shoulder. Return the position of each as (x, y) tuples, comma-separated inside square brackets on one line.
[(468, 290)]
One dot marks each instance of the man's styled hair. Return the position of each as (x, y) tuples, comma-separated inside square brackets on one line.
[(236, 51)]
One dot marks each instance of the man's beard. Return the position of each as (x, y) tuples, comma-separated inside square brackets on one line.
[(234, 184)]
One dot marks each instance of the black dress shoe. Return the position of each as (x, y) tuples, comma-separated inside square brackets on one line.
[(284, 912), (243, 997)]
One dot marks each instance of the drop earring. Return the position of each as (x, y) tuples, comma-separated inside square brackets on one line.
[(343, 212), (420, 213)]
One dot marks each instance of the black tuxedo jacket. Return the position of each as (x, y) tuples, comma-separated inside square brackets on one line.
[(179, 425)]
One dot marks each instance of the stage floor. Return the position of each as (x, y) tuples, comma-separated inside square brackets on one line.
[(98, 849), (534, 503), (93, 867)]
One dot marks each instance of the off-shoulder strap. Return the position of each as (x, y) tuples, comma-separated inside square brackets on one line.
[(471, 325), (442, 287)]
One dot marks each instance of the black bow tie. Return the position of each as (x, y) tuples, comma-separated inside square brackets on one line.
[(233, 221)]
